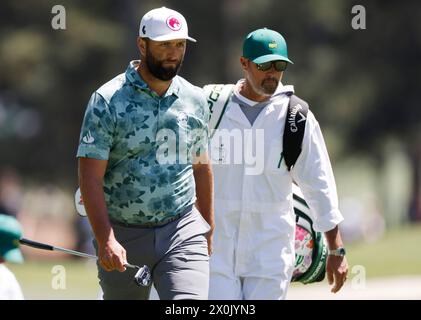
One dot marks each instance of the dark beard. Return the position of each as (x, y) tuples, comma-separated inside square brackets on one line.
[(158, 71)]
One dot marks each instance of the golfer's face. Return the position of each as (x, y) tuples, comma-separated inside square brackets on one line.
[(169, 54), (164, 58)]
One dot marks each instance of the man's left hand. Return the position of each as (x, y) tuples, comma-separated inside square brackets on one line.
[(337, 271)]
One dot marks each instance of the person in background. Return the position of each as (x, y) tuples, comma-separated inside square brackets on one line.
[(10, 233)]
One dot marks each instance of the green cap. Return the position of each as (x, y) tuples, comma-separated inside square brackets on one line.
[(10, 233), (265, 45)]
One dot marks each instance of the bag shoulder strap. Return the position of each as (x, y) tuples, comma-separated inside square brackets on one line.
[(295, 123), (217, 96)]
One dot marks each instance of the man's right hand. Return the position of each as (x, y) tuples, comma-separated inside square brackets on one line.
[(112, 256)]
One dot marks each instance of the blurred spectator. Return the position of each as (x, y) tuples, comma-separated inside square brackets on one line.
[(363, 221), (10, 191), (84, 235), (10, 233), (47, 214)]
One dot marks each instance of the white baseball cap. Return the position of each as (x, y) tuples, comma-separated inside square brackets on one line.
[(164, 24)]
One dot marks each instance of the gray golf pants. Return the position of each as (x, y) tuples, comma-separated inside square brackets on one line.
[(176, 253)]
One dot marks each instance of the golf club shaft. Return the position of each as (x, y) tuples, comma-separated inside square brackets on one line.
[(43, 246), (75, 253)]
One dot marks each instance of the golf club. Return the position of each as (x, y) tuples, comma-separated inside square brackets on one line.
[(142, 276)]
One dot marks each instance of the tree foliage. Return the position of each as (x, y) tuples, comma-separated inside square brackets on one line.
[(361, 84)]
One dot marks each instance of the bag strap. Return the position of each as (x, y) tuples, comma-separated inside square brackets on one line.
[(295, 123), (217, 96)]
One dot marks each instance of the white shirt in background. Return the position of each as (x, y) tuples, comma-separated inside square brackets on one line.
[(9, 286)]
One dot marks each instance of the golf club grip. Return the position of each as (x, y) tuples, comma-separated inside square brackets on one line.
[(35, 244)]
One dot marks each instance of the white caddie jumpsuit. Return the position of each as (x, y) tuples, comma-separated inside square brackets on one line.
[(253, 255)]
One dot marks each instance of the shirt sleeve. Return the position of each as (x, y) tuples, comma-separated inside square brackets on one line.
[(314, 175), (96, 136)]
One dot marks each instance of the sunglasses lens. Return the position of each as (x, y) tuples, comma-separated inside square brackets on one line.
[(281, 65), (264, 66)]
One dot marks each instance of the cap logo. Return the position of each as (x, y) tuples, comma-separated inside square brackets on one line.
[(173, 23), (144, 29), (273, 45)]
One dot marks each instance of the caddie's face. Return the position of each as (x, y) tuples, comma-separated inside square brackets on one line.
[(163, 58), (263, 83)]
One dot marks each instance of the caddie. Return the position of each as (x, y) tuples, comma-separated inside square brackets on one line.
[(254, 252)]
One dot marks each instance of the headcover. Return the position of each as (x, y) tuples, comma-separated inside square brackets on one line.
[(310, 246)]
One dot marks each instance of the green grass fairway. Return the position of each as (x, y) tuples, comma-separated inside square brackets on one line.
[(37, 279), (397, 253)]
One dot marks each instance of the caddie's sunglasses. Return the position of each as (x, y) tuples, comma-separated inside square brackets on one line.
[(279, 65)]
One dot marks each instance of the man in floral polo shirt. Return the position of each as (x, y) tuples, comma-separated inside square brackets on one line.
[(143, 170)]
